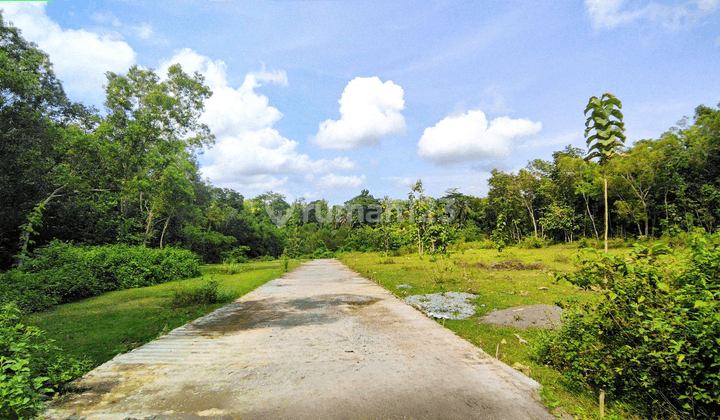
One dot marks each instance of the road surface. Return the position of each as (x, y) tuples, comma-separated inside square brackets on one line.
[(321, 342)]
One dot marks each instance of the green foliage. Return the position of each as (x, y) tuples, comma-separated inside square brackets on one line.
[(237, 255), (533, 242), (606, 120), (207, 293), (498, 236), (61, 272), (32, 367), (653, 338)]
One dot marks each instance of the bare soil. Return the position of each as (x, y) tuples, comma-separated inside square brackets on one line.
[(524, 317)]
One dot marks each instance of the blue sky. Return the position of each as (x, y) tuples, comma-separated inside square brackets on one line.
[(324, 98)]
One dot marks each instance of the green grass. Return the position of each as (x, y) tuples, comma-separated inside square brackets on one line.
[(499, 289), (101, 327)]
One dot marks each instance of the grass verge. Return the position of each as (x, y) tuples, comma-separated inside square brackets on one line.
[(498, 286), (103, 326)]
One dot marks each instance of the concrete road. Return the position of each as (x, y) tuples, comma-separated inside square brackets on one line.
[(321, 342)]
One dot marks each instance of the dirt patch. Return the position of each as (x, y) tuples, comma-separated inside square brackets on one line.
[(505, 265), (325, 301), (266, 313), (524, 317)]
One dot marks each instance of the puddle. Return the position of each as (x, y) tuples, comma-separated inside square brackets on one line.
[(325, 301), (267, 313)]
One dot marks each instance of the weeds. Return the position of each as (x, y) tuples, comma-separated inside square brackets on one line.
[(207, 293)]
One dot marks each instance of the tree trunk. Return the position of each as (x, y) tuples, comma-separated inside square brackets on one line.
[(148, 228), (163, 232), (532, 215), (607, 219), (25, 238), (592, 219)]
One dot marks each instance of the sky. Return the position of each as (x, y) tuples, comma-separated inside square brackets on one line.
[(324, 98)]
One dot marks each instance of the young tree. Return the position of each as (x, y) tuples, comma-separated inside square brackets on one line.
[(606, 121)]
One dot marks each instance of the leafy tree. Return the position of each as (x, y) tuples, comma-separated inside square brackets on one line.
[(608, 138), (153, 130)]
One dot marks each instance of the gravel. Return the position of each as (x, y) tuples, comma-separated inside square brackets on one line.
[(449, 305)]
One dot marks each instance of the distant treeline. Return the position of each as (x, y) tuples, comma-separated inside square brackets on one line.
[(130, 176)]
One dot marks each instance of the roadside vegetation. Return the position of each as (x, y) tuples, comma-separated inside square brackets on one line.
[(42, 352), (467, 268)]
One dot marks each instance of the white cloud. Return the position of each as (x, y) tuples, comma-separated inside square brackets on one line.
[(230, 111), (248, 152), (144, 31), (332, 181), (575, 138), (402, 182), (608, 14), (258, 183), (469, 138), (80, 57), (369, 110)]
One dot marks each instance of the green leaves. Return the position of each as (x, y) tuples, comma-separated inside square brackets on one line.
[(606, 121), (653, 336), (31, 367)]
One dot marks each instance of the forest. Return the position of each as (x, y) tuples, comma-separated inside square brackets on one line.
[(130, 175)]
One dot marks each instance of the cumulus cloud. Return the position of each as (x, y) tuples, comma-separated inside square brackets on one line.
[(402, 182), (369, 110), (80, 57), (608, 14), (249, 152), (469, 138), (332, 181)]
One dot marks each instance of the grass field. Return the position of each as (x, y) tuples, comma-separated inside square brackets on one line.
[(469, 270), (101, 327)]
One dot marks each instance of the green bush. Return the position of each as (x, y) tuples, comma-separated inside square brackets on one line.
[(533, 242), (237, 255), (32, 368), (207, 293), (62, 272), (654, 337)]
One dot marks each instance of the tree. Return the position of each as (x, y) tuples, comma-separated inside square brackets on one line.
[(606, 121), (153, 130)]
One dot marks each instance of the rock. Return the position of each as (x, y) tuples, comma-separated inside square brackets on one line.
[(404, 286), (543, 288), (522, 341), (522, 368)]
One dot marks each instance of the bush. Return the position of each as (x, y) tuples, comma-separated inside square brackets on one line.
[(207, 293), (32, 368), (62, 272), (533, 242), (237, 255), (653, 338)]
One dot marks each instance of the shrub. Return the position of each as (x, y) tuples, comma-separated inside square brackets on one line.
[(237, 255), (62, 272), (230, 269), (653, 337), (533, 242), (207, 293), (31, 367)]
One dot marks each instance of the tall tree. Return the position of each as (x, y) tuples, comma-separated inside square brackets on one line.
[(153, 131), (606, 121)]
